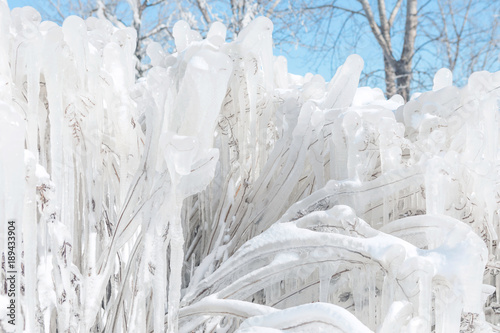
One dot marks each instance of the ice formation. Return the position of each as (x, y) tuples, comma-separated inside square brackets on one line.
[(221, 193)]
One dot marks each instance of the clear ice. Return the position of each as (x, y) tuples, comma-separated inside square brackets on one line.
[(221, 193)]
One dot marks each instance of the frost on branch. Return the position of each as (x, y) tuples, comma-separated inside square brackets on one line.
[(221, 193)]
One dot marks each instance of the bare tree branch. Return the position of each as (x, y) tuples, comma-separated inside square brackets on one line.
[(376, 32), (357, 12), (203, 11), (410, 30), (270, 11), (459, 33), (154, 3), (384, 24), (156, 30), (394, 12), (58, 9)]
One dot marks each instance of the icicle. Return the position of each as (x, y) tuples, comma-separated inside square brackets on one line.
[(176, 264), (12, 192), (324, 283)]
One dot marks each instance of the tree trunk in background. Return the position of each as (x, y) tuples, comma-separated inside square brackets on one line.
[(397, 71), (390, 79), (398, 79), (139, 55), (403, 66), (403, 79)]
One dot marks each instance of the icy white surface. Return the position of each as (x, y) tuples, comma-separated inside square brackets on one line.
[(221, 193)]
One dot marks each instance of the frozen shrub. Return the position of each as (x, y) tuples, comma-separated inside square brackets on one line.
[(221, 193)]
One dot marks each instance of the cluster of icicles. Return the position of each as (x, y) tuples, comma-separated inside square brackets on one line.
[(222, 194)]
